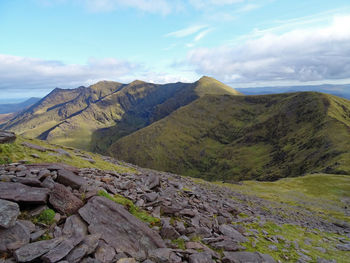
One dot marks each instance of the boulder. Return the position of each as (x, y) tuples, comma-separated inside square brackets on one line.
[(7, 137), (227, 245), (104, 252), (8, 213), (22, 193), (229, 231), (245, 257), (118, 227), (63, 200), (14, 237), (87, 246), (202, 257), (35, 250), (27, 181), (69, 178), (163, 255), (59, 252), (34, 146), (75, 228), (152, 181)]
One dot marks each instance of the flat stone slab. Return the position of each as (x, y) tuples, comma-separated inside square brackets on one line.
[(63, 200), (14, 237), (69, 178), (7, 137), (34, 146), (118, 227), (22, 193), (244, 257), (8, 213), (229, 231), (35, 250)]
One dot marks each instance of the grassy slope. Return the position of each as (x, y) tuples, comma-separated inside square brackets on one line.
[(14, 152), (159, 102), (325, 195), (242, 137)]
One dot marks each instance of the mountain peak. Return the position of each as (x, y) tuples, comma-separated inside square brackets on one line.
[(137, 82)]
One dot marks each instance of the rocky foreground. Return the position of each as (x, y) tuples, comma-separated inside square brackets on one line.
[(58, 213)]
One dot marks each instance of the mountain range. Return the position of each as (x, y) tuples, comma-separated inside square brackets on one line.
[(202, 129)]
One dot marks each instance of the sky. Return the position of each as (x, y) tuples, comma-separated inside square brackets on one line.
[(46, 44)]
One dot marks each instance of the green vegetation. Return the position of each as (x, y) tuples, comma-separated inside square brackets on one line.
[(232, 138), (313, 243), (323, 194), (180, 243), (14, 152), (131, 207), (46, 217)]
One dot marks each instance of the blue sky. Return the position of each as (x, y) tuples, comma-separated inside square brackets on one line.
[(67, 43)]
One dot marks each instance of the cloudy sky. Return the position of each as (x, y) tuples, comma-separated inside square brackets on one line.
[(67, 43)]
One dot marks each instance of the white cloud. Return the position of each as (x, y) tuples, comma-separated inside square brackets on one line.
[(184, 32), (202, 34), (24, 77), (29, 73), (311, 54)]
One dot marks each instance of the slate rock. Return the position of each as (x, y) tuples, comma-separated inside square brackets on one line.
[(87, 246), (8, 213), (202, 257), (14, 237), (152, 181), (36, 235), (343, 247), (68, 178), (34, 146), (229, 231), (104, 252), (227, 245), (127, 260), (59, 252), (163, 255), (75, 228), (27, 181), (7, 137), (247, 257), (168, 231), (35, 250), (63, 200), (22, 193), (118, 227)]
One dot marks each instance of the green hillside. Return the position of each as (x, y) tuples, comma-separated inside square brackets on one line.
[(222, 137), (94, 117)]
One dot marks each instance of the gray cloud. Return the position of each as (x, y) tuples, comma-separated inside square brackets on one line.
[(312, 54)]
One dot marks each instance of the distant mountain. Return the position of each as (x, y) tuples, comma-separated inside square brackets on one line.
[(246, 137), (337, 90), (16, 107), (94, 117)]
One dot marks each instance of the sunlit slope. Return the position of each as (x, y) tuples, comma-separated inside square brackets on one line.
[(94, 117), (243, 137)]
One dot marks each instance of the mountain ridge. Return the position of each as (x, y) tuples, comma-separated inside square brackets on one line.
[(246, 137), (75, 116)]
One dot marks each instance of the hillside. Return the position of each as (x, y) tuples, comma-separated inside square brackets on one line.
[(246, 137), (16, 107), (60, 203), (94, 117)]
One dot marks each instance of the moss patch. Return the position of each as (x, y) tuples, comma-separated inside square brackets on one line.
[(132, 208)]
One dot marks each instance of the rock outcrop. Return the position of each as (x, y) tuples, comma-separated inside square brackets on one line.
[(90, 215), (7, 137)]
